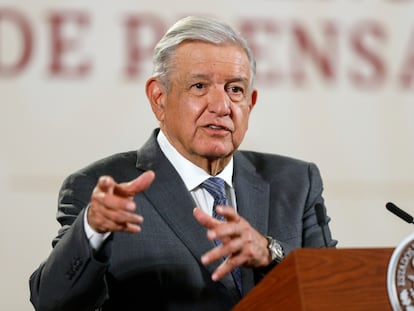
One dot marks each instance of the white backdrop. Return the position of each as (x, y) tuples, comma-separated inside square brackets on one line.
[(359, 131)]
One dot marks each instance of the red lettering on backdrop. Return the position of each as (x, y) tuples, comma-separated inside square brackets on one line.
[(407, 71), (22, 25), (325, 58), (261, 35), (360, 36), (142, 33), (284, 49), (61, 45)]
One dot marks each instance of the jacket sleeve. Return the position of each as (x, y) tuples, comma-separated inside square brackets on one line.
[(73, 275), (313, 234)]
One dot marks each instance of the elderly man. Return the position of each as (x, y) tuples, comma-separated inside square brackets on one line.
[(187, 222)]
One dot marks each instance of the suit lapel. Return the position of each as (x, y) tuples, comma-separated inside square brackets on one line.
[(252, 192), (174, 203), (253, 195)]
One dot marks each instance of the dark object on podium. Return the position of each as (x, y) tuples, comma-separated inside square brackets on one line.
[(324, 279)]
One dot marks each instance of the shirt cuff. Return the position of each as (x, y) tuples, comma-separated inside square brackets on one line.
[(96, 239)]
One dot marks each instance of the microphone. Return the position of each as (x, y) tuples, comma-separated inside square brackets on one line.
[(320, 216), (399, 212)]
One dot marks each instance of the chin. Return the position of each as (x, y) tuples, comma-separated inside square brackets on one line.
[(215, 150), (218, 153)]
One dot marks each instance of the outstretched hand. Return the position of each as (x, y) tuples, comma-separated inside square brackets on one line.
[(241, 244), (112, 206)]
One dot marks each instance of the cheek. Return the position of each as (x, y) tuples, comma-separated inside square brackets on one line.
[(184, 113), (191, 111), (240, 120), (241, 117)]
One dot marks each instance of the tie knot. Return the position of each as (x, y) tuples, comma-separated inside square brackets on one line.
[(215, 186)]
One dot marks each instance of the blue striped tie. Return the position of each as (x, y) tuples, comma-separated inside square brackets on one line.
[(216, 187)]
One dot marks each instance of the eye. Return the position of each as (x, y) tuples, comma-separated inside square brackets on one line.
[(236, 89), (199, 86), (236, 93), (199, 89)]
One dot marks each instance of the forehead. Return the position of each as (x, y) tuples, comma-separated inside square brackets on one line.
[(197, 55)]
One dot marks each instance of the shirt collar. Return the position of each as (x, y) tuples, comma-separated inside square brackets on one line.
[(191, 174)]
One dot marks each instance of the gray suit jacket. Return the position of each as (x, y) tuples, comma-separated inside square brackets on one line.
[(275, 194)]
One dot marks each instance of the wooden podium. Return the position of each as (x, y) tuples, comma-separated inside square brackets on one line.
[(324, 279)]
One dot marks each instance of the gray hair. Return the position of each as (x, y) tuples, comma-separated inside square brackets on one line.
[(192, 28)]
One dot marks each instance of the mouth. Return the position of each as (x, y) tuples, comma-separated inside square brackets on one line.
[(217, 127)]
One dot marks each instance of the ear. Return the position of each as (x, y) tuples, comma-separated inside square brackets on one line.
[(253, 99), (156, 95)]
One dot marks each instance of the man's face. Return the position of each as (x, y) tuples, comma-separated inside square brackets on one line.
[(206, 111)]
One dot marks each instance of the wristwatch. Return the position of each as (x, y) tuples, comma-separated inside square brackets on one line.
[(275, 250)]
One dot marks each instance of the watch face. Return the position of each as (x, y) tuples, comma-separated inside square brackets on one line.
[(275, 249), (279, 251)]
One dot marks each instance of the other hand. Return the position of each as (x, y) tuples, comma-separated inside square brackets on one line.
[(112, 207), (241, 244)]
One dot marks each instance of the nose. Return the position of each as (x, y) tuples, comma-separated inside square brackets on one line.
[(219, 101)]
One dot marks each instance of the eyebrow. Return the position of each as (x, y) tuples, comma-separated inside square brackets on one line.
[(208, 76)]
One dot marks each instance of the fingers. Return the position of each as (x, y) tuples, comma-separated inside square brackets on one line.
[(204, 219), (224, 231), (112, 206), (228, 265), (229, 245), (104, 219), (210, 222), (227, 230), (241, 244), (232, 260), (135, 186), (228, 233)]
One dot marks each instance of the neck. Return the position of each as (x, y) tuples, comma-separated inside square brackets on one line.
[(214, 167)]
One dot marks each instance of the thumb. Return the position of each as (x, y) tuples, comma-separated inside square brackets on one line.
[(136, 185)]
